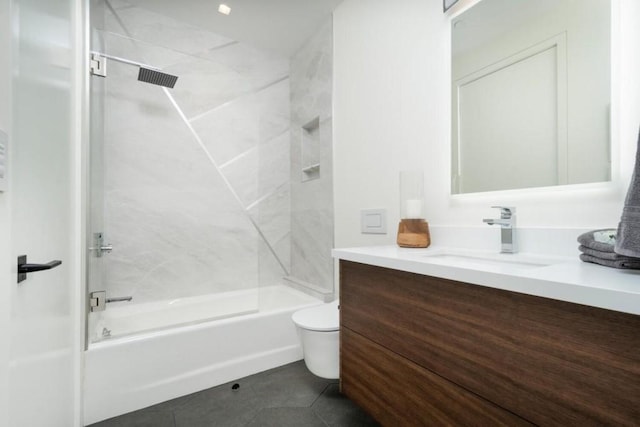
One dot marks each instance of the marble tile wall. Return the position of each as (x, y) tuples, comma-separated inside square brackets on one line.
[(312, 200), (196, 194)]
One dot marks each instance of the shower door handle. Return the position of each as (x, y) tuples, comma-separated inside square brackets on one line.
[(24, 268)]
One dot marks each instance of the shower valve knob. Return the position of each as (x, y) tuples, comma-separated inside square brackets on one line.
[(99, 246)]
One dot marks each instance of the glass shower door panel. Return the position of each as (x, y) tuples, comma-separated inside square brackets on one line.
[(95, 226), (184, 245)]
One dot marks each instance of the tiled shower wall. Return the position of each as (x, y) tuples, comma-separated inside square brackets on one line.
[(196, 178), (311, 144)]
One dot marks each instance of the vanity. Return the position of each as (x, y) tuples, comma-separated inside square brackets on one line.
[(447, 337)]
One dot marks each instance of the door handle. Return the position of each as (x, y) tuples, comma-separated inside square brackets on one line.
[(24, 268)]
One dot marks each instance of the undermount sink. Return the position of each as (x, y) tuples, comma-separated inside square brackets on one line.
[(506, 261)]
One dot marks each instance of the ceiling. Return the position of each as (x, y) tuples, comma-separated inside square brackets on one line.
[(280, 25)]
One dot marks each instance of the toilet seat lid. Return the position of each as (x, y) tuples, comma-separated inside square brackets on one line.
[(322, 318)]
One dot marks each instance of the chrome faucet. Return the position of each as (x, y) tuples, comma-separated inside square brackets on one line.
[(507, 223)]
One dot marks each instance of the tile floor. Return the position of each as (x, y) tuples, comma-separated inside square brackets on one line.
[(288, 396)]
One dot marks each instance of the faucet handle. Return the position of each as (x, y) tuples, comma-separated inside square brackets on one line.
[(506, 212)]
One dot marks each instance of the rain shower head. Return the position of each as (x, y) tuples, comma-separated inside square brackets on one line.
[(156, 77), (146, 73)]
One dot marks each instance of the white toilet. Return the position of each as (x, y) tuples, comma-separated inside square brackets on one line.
[(319, 329)]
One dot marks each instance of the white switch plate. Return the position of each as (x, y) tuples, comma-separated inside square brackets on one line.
[(373, 221)]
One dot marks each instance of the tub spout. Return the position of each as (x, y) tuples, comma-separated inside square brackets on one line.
[(98, 300), (119, 299)]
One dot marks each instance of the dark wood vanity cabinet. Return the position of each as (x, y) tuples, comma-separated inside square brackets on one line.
[(418, 350)]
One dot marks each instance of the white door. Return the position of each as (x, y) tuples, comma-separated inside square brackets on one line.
[(40, 208)]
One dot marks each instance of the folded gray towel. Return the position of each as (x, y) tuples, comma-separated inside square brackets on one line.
[(610, 256), (631, 265), (628, 242), (602, 240)]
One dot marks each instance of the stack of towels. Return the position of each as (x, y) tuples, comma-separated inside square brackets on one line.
[(598, 247)]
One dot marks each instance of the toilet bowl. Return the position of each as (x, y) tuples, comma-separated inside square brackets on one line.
[(318, 328)]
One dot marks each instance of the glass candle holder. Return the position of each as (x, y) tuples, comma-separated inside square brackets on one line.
[(413, 230), (412, 204)]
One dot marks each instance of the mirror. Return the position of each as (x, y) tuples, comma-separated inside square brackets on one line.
[(531, 94)]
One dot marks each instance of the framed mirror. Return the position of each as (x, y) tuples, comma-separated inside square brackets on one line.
[(531, 94)]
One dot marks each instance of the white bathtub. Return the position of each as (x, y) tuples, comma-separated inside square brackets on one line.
[(135, 371)]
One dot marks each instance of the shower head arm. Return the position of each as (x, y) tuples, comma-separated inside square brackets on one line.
[(125, 61), (146, 73)]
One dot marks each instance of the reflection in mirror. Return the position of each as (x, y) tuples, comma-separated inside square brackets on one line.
[(531, 94)]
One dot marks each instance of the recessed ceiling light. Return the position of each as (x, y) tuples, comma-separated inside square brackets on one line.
[(224, 9)]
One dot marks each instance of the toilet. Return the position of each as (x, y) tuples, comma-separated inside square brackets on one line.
[(318, 329)]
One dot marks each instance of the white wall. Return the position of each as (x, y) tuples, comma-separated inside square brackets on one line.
[(5, 265), (391, 112)]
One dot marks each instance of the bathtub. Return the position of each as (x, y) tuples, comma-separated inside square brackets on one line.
[(132, 371)]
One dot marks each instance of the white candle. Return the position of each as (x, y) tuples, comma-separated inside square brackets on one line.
[(414, 208)]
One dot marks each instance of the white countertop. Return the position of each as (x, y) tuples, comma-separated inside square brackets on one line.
[(560, 278)]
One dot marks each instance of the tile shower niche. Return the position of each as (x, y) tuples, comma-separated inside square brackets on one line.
[(311, 150)]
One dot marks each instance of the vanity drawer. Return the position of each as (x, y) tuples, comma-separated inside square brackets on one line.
[(397, 392), (550, 362)]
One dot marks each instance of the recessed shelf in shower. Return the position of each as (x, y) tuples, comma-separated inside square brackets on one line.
[(311, 150)]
